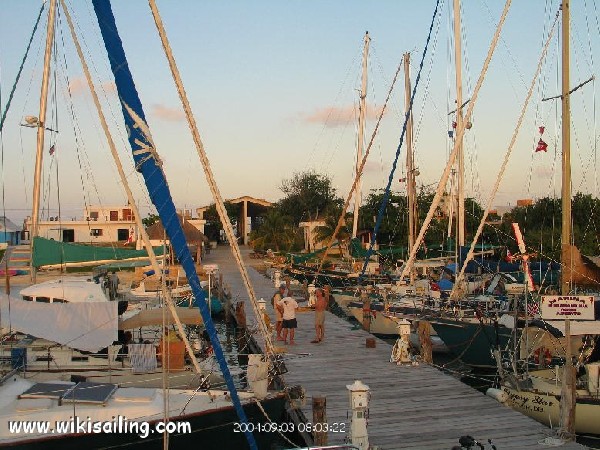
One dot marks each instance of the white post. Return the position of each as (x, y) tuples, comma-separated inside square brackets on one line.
[(277, 278), (312, 299), (359, 402)]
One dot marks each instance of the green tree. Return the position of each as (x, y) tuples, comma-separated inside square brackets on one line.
[(307, 195), (276, 231), (150, 220), (213, 226), (325, 232)]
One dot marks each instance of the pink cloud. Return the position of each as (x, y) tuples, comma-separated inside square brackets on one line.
[(79, 86), (335, 116), (543, 171), (169, 114)]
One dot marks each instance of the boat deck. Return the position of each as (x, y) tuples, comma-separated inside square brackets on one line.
[(411, 407)]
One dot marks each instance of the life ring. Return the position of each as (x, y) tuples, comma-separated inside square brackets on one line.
[(542, 354)]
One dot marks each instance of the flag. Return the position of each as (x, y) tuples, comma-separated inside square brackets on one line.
[(533, 308), (541, 146), (51, 151), (542, 128), (130, 238)]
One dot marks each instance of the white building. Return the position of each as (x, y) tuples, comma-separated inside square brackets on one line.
[(99, 224)]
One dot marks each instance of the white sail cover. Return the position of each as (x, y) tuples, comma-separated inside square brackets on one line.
[(88, 326)]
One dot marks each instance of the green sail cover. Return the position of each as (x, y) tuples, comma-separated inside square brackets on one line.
[(47, 252)]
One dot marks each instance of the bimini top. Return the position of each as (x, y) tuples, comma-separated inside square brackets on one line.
[(65, 290)]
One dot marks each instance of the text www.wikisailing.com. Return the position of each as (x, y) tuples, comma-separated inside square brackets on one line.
[(77, 425)]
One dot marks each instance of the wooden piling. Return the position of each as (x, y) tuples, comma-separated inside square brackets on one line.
[(319, 422), (424, 331), (366, 311)]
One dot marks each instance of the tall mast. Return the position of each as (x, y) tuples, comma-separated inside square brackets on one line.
[(459, 119), (410, 160), (40, 132), (361, 131), (568, 398), (566, 154)]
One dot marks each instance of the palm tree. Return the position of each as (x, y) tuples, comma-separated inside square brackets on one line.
[(276, 230), (324, 233)]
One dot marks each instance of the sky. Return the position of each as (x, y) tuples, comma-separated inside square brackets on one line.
[(274, 90)]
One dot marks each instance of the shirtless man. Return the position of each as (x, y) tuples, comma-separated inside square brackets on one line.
[(320, 307)]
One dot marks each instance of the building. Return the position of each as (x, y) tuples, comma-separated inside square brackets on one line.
[(99, 224), (250, 209), (9, 233), (309, 230)]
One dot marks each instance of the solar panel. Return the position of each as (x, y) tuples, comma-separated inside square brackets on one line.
[(47, 390), (86, 392)]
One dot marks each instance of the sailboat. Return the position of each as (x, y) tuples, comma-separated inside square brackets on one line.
[(208, 414), (556, 396)]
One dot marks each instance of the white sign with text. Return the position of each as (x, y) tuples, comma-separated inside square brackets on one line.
[(579, 307)]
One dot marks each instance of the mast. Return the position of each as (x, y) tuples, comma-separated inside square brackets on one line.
[(148, 162), (361, 131), (459, 119), (566, 154), (40, 133), (568, 396), (410, 161)]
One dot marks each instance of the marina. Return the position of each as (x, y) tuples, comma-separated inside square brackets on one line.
[(416, 407), (354, 310)]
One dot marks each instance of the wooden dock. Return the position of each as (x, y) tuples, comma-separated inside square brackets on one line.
[(411, 407)]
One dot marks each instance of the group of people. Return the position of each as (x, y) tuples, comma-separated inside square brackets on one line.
[(285, 307)]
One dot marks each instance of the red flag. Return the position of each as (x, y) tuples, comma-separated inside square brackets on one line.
[(541, 146), (542, 128), (51, 151), (130, 238)]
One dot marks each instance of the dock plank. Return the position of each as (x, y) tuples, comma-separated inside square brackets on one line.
[(411, 407)]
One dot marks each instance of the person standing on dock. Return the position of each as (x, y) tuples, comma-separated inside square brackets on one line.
[(289, 318), (320, 307), (113, 286), (275, 302)]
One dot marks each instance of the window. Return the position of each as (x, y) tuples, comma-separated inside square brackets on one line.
[(96, 232), (127, 215), (94, 215), (122, 234), (114, 216), (27, 298), (59, 300), (43, 299)]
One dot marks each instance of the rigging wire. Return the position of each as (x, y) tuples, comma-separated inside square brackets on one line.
[(18, 77), (386, 194)]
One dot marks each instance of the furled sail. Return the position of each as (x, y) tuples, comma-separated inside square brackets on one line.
[(148, 163)]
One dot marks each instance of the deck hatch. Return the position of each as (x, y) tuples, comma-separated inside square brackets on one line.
[(47, 390), (87, 392)]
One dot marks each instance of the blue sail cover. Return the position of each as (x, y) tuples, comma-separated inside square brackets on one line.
[(146, 161)]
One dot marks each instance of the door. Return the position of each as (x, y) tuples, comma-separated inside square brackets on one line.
[(68, 235)]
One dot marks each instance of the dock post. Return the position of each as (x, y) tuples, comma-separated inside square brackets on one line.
[(366, 301), (359, 403), (319, 406), (424, 330)]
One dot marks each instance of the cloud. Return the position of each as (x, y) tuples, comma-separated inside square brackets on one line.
[(166, 113), (335, 116), (79, 86), (543, 171)]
